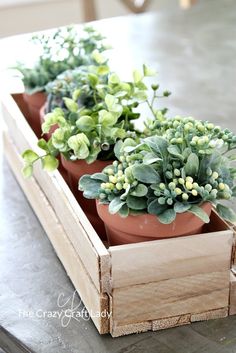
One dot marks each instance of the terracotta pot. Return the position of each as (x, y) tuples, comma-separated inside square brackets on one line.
[(75, 171), (19, 99), (146, 227), (41, 116), (35, 102)]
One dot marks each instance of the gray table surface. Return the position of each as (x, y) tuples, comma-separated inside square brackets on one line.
[(194, 51)]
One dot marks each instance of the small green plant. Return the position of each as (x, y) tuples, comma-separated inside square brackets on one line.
[(100, 111), (69, 81), (186, 163), (61, 50)]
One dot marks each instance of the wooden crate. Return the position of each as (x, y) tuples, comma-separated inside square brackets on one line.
[(146, 286)]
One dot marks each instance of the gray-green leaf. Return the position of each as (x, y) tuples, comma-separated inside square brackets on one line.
[(146, 174), (167, 216), (192, 165), (180, 207), (136, 203), (140, 190), (227, 213), (155, 208), (198, 211), (116, 205)]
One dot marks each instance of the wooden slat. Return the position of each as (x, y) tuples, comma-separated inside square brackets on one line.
[(209, 315), (171, 258), (93, 253), (232, 300), (173, 297), (173, 321), (92, 299)]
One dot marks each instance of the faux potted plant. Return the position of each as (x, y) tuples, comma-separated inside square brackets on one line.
[(60, 50), (100, 112), (166, 185)]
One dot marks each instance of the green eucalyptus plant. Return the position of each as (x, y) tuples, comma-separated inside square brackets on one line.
[(70, 80), (185, 163), (61, 50), (100, 111)]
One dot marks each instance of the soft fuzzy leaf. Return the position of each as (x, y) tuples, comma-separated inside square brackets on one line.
[(107, 118), (167, 217), (110, 101), (145, 174), (227, 213), (29, 156), (155, 208), (71, 105), (140, 190), (175, 151), (100, 176), (137, 76), (27, 171), (116, 205), (180, 207), (150, 158), (43, 145), (158, 144), (136, 203), (192, 165), (114, 79), (200, 213), (79, 144), (147, 71), (98, 57), (89, 186), (124, 211), (85, 123), (49, 163)]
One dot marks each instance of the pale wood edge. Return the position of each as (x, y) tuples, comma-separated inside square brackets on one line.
[(232, 297), (24, 138), (168, 322), (93, 300)]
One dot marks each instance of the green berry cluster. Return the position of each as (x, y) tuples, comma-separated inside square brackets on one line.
[(203, 136), (184, 189)]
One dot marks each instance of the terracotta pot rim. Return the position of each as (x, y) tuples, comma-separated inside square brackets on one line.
[(147, 225)]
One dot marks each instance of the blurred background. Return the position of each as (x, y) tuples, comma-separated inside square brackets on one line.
[(20, 16)]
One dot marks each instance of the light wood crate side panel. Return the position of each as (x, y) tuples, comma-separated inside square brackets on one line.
[(170, 258), (232, 299), (92, 299), (91, 249), (173, 297)]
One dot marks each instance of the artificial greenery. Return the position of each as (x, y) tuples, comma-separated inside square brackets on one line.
[(61, 50), (100, 111), (184, 164)]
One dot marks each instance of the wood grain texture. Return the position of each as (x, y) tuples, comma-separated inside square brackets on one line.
[(123, 330), (172, 258), (164, 323), (209, 315), (232, 298), (82, 235), (168, 298), (92, 299)]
